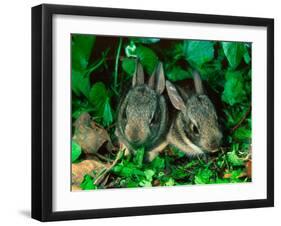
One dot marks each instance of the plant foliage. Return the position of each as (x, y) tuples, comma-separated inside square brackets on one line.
[(98, 62)]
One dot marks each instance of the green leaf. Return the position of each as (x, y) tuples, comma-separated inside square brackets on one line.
[(234, 159), (247, 57), (145, 183), (81, 49), (148, 178), (147, 57), (130, 50), (242, 133), (107, 118), (234, 88), (138, 158), (80, 109), (88, 183), (203, 176), (149, 174), (145, 40), (198, 52), (234, 52), (128, 170), (176, 73), (158, 163), (170, 182), (80, 84), (129, 66), (99, 97), (75, 151)]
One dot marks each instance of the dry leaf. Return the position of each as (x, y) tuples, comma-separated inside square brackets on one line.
[(227, 175), (79, 170), (249, 168), (89, 135), (75, 188)]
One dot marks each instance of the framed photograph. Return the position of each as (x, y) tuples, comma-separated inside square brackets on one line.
[(145, 112)]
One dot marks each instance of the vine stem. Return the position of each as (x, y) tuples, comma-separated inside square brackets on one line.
[(117, 61), (241, 120), (99, 63), (106, 171)]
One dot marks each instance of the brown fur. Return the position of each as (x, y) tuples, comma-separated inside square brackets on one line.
[(142, 117), (194, 128)]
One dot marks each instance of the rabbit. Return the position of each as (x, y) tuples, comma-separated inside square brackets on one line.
[(142, 117), (194, 128)]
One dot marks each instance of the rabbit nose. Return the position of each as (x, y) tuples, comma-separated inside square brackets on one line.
[(134, 135), (215, 143)]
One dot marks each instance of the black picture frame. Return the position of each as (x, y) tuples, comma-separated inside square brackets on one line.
[(42, 84)]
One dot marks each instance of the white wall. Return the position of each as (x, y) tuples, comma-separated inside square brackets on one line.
[(15, 104)]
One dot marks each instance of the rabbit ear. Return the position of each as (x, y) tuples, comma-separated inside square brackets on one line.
[(175, 97), (138, 78), (198, 83), (157, 79)]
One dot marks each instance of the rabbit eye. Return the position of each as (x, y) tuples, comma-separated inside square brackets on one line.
[(153, 120), (194, 129), (124, 116)]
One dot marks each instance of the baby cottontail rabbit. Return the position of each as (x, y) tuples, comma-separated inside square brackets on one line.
[(142, 116), (194, 128)]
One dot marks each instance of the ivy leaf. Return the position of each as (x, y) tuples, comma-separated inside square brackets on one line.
[(147, 56), (75, 151), (247, 57), (127, 170), (107, 113), (234, 159), (80, 107), (80, 84), (176, 73), (99, 97), (233, 89), (88, 183), (81, 49), (234, 52), (198, 52), (129, 66)]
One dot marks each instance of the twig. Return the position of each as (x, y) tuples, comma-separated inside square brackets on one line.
[(104, 173), (117, 61), (113, 183), (103, 157), (241, 120), (105, 181)]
